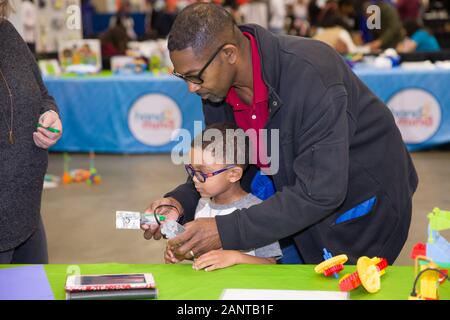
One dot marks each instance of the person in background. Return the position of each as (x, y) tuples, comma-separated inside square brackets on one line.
[(233, 8), (389, 34), (255, 12), (333, 28), (277, 13), (24, 103), (114, 41), (297, 18), (87, 12), (162, 20), (418, 39), (409, 9), (314, 10), (331, 15), (124, 19)]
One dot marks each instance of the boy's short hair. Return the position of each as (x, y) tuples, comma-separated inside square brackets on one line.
[(227, 137)]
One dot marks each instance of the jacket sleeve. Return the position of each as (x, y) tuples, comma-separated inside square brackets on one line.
[(320, 165)]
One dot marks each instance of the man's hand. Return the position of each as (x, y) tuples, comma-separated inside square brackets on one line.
[(44, 138), (201, 236), (170, 213)]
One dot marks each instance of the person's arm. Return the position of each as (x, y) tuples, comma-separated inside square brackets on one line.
[(321, 175), (219, 259), (406, 46), (48, 111), (391, 28)]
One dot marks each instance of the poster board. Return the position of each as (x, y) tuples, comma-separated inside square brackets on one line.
[(57, 20)]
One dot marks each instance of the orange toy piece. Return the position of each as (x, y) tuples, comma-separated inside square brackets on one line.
[(368, 274), (66, 179)]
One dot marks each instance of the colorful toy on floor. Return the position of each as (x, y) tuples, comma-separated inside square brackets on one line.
[(66, 176), (331, 265), (437, 247), (368, 272), (81, 175), (429, 277), (94, 177)]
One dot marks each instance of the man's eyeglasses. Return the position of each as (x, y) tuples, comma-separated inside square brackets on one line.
[(197, 79), (201, 176)]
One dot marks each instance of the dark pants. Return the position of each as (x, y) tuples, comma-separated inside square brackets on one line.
[(32, 251)]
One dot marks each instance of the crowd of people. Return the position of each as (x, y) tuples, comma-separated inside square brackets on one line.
[(343, 24)]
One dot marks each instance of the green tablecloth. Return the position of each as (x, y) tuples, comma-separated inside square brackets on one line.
[(181, 282)]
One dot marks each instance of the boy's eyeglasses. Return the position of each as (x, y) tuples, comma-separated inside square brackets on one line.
[(197, 79), (201, 176)]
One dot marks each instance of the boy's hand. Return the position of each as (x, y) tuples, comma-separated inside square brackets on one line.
[(216, 259), (169, 256)]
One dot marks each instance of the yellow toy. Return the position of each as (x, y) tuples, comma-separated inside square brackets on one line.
[(368, 273), (331, 265), (430, 276)]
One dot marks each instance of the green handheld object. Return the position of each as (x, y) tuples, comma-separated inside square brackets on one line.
[(49, 128), (160, 217)]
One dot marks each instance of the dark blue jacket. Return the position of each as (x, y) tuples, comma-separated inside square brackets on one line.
[(339, 148)]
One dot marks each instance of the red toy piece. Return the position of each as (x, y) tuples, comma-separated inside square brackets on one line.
[(352, 281), (420, 249), (333, 270)]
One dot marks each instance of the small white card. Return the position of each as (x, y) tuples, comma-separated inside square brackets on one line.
[(128, 220)]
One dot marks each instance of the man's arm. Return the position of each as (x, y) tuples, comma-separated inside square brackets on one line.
[(321, 173)]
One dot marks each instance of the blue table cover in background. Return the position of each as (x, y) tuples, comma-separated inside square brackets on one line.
[(95, 110), (435, 83)]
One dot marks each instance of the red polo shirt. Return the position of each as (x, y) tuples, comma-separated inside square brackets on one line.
[(252, 116)]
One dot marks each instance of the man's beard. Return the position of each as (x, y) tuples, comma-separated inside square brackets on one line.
[(212, 98), (215, 99)]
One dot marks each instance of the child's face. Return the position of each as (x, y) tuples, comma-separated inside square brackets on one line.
[(216, 184)]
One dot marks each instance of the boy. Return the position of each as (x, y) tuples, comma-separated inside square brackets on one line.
[(216, 168)]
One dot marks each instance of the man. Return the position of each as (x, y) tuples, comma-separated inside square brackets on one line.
[(345, 179)]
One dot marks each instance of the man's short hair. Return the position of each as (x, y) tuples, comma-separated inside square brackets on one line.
[(230, 139), (201, 26)]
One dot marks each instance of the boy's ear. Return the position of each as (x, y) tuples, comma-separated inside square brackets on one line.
[(235, 174)]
